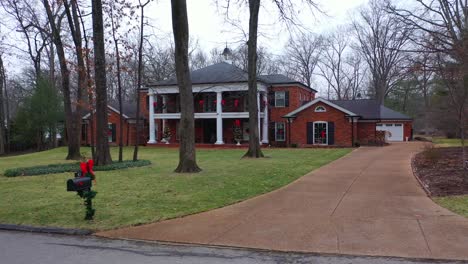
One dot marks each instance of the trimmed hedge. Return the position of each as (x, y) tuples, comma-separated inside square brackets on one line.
[(72, 167)]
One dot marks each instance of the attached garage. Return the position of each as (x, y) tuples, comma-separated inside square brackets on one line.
[(395, 130)]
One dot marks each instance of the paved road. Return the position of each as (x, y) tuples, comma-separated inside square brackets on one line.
[(367, 203), (22, 248)]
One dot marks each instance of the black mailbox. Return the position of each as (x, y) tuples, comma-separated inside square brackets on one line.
[(79, 184)]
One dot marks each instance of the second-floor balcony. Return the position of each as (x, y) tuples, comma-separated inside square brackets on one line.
[(231, 102)]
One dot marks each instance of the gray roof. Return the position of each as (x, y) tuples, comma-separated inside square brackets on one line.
[(217, 73), (370, 109), (227, 73)]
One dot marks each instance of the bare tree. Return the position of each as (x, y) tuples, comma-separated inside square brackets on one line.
[(444, 21), (332, 64), (303, 51), (70, 118), (30, 27), (187, 157), (382, 38), (140, 75), (2, 107), (102, 145)]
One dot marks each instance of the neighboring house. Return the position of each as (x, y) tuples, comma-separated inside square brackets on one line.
[(288, 112), (129, 126)]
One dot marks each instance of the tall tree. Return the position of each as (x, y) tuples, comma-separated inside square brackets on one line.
[(382, 38), (75, 30), (113, 15), (70, 120), (445, 21), (254, 150), (180, 27), (102, 145), (139, 77), (304, 51), (2, 107), (332, 65)]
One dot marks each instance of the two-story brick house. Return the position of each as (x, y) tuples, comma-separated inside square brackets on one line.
[(289, 112)]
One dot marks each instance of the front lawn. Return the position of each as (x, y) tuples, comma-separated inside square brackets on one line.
[(152, 193), (457, 204), (447, 142)]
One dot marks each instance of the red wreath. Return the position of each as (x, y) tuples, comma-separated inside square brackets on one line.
[(237, 123)]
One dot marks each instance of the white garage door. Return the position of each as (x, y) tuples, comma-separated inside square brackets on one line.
[(395, 129)]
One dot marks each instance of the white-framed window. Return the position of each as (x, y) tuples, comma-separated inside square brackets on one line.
[(321, 133), (379, 125), (280, 131), (280, 99), (320, 109)]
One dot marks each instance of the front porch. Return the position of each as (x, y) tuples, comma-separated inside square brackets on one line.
[(219, 111)]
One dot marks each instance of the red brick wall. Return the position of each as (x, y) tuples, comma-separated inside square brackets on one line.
[(343, 127), (112, 118), (276, 113)]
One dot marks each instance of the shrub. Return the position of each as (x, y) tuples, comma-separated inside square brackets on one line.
[(71, 167)]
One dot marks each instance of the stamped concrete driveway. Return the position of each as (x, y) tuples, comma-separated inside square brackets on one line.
[(366, 203)]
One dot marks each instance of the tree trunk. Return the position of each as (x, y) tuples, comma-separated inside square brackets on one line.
[(254, 139), (2, 108), (187, 157), (73, 139), (140, 69), (89, 84), (7, 113), (103, 156), (119, 82)]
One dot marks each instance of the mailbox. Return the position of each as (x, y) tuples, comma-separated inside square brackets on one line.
[(79, 184)]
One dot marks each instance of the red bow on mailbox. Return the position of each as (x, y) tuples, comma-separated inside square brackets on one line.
[(87, 168)]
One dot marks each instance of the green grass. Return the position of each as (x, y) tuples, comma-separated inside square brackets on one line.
[(457, 204), (447, 142), (151, 193)]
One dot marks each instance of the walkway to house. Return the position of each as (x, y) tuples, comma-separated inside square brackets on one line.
[(367, 203)]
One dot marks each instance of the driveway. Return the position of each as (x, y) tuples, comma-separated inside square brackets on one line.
[(366, 203)]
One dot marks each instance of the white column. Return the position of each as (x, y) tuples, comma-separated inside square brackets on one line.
[(164, 103), (152, 135), (265, 119), (258, 114), (219, 119)]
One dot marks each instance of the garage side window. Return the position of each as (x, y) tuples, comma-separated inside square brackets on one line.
[(280, 133)]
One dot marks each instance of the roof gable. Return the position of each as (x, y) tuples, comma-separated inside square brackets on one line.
[(317, 100)]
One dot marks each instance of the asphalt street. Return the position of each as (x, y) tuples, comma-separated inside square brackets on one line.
[(24, 247)]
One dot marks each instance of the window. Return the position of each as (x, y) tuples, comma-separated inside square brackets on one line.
[(379, 125), (84, 132), (280, 99), (320, 109), (111, 133), (321, 133), (398, 125), (280, 132)]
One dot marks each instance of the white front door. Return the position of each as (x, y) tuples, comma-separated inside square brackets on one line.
[(395, 129)]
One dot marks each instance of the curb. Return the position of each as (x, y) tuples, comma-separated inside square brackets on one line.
[(49, 230)]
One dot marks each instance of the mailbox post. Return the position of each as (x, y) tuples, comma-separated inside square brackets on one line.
[(82, 184)]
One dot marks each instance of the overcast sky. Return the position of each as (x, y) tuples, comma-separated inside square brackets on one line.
[(208, 26)]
